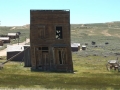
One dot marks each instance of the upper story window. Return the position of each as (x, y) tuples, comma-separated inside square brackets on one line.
[(41, 32), (59, 32)]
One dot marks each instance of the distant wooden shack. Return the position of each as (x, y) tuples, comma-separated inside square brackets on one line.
[(5, 39), (75, 47), (12, 50), (13, 35), (83, 47), (24, 55)]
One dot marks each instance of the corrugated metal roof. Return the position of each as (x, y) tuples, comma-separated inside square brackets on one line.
[(12, 34), (4, 38), (75, 44), (13, 48)]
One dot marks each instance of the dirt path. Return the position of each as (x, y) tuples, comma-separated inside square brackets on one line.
[(105, 32), (3, 52)]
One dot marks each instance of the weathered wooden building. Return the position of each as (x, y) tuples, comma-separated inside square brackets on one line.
[(50, 40), (83, 47), (13, 50), (13, 35), (5, 39), (75, 47)]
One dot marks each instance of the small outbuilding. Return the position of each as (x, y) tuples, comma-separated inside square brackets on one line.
[(22, 53), (75, 47), (83, 47), (13, 50), (5, 39), (13, 35)]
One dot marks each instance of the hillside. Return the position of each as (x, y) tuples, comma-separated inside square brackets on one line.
[(101, 33), (4, 30)]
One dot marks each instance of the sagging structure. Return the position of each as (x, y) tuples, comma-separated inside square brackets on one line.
[(50, 40)]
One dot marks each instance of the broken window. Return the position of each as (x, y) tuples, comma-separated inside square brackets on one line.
[(59, 32)]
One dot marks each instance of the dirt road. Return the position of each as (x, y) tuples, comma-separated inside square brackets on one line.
[(3, 52), (105, 32)]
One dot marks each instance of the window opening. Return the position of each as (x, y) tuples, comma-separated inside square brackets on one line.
[(59, 32), (44, 48)]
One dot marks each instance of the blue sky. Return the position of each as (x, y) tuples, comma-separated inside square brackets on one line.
[(17, 12)]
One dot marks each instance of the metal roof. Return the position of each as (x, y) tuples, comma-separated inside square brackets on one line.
[(112, 61), (4, 38), (75, 44), (13, 48), (12, 34), (83, 46)]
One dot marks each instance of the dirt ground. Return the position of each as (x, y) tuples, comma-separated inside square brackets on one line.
[(105, 32), (3, 52)]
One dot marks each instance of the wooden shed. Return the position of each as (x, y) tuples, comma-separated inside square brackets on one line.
[(13, 50), (50, 40), (13, 35), (83, 47), (5, 39), (75, 47)]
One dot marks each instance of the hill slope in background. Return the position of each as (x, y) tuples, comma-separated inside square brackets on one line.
[(101, 33)]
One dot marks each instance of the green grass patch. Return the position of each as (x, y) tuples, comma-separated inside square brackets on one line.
[(89, 73)]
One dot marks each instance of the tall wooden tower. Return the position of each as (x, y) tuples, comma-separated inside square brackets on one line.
[(50, 40)]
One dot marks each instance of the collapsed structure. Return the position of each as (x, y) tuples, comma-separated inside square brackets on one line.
[(50, 40)]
